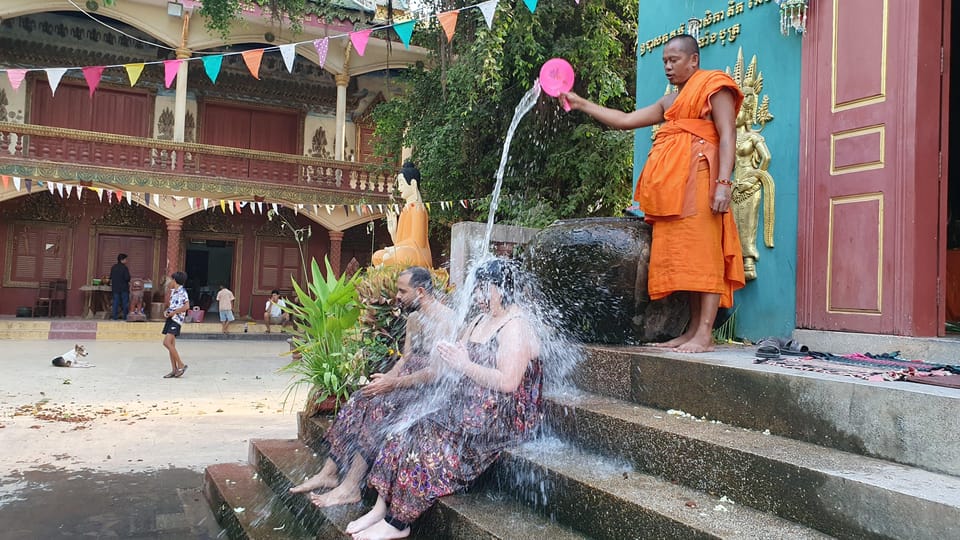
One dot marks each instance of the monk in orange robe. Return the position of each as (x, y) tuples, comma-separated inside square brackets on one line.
[(684, 190)]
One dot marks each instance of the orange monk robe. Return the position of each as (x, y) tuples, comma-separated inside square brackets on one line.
[(693, 248), (412, 247)]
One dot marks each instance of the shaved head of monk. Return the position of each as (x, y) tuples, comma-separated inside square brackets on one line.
[(681, 58)]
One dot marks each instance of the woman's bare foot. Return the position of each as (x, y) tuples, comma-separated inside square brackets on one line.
[(320, 480), (339, 495), (381, 530), (374, 515), (698, 344)]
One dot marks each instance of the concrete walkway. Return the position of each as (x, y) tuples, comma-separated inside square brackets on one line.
[(118, 451)]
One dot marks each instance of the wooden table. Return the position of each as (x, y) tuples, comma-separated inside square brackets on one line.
[(97, 298)]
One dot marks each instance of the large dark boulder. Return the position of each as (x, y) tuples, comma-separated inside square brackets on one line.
[(594, 271)]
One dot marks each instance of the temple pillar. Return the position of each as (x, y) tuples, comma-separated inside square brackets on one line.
[(343, 79), (174, 226), (180, 98), (336, 240)]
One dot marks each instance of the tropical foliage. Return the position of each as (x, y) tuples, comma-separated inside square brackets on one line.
[(455, 112)]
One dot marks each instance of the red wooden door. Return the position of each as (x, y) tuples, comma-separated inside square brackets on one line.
[(870, 194)]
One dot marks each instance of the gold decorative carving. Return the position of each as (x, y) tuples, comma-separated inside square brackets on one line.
[(208, 221), (128, 215), (318, 148), (41, 206), (275, 227), (752, 181)]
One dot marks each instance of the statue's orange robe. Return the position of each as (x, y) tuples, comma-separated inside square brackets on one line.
[(693, 248)]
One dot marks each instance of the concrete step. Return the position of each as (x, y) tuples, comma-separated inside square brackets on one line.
[(245, 507), (843, 494), (284, 463), (609, 500), (907, 423)]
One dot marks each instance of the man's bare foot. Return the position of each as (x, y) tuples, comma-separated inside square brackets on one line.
[(675, 342), (338, 495), (317, 481), (381, 530), (696, 345), (374, 515)]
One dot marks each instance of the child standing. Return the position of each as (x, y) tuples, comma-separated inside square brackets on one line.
[(175, 314), (225, 301)]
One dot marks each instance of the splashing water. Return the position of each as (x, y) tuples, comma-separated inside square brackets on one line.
[(526, 103)]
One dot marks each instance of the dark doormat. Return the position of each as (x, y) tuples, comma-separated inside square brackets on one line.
[(949, 381)]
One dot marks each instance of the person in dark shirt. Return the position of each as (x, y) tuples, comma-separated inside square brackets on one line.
[(120, 284)]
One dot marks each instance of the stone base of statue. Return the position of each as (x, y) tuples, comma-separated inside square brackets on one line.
[(595, 271)]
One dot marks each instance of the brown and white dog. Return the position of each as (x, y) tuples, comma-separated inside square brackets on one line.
[(72, 357)]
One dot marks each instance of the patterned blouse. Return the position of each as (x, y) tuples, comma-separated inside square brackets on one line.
[(178, 299)]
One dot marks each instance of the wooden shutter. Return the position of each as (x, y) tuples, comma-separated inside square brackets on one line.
[(278, 261), (39, 253), (109, 111), (139, 250)]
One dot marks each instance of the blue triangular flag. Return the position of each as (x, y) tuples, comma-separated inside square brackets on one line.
[(211, 64), (405, 31), (531, 5)]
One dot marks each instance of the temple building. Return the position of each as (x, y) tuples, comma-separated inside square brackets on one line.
[(132, 128), (846, 200)]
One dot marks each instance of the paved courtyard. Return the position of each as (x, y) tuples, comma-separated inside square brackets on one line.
[(117, 451)]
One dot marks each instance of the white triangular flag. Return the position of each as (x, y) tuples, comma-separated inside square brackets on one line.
[(288, 52), (59, 187), (156, 199), (316, 209), (69, 190), (129, 197), (53, 77), (230, 205), (177, 198), (99, 194), (79, 191), (205, 203), (296, 211), (16, 182), (190, 202), (275, 207), (330, 208), (260, 207), (488, 8)]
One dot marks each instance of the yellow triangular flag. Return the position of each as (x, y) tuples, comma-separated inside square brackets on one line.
[(133, 72), (223, 207)]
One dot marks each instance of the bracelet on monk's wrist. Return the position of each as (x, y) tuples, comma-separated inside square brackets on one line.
[(724, 182)]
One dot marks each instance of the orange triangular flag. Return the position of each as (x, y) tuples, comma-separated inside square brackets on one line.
[(6, 182), (448, 20), (252, 59), (119, 194)]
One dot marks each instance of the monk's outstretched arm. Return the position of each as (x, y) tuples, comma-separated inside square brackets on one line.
[(647, 116), (724, 118)]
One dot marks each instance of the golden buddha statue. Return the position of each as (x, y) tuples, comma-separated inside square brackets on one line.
[(408, 230), (752, 182)]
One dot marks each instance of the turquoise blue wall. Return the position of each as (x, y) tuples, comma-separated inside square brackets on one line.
[(767, 305)]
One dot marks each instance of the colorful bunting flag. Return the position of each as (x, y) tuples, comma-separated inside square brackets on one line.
[(28, 183), (6, 181), (222, 207), (119, 194), (404, 31), (156, 199), (448, 20), (16, 77), (488, 8), (92, 75), (531, 5), (69, 188), (322, 46), (79, 192), (360, 39), (170, 68), (252, 59), (133, 72), (16, 183), (53, 77), (211, 65), (289, 52)]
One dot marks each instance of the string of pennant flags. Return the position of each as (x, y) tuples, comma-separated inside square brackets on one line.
[(233, 206), (253, 57)]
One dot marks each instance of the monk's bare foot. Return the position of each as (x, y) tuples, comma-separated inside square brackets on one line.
[(367, 520), (696, 345), (381, 530), (339, 495), (321, 480), (673, 343)]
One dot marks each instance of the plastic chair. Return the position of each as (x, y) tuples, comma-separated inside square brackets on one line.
[(58, 298), (41, 305)]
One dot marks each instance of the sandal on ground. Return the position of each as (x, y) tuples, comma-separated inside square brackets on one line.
[(170, 375), (768, 349), (181, 371)]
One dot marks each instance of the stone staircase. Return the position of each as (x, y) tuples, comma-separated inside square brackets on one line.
[(668, 446)]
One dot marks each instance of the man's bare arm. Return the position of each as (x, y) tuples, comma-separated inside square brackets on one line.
[(724, 118), (647, 116)]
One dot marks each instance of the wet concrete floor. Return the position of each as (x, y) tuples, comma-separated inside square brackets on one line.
[(116, 451)]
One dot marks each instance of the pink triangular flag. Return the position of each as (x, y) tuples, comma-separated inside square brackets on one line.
[(170, 69), (119, 194), (16, 77), (288, 52), (53, 77), (322, 46), (360, 39), (252, 60), (448, 20), (92, 74)]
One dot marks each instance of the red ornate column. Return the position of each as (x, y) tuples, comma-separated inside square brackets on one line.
[(336, 238), (174, 263)]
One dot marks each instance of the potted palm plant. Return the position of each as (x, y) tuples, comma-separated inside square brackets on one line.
[(326, 310)]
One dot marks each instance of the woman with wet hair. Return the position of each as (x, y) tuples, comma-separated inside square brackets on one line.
[(494, 404)]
